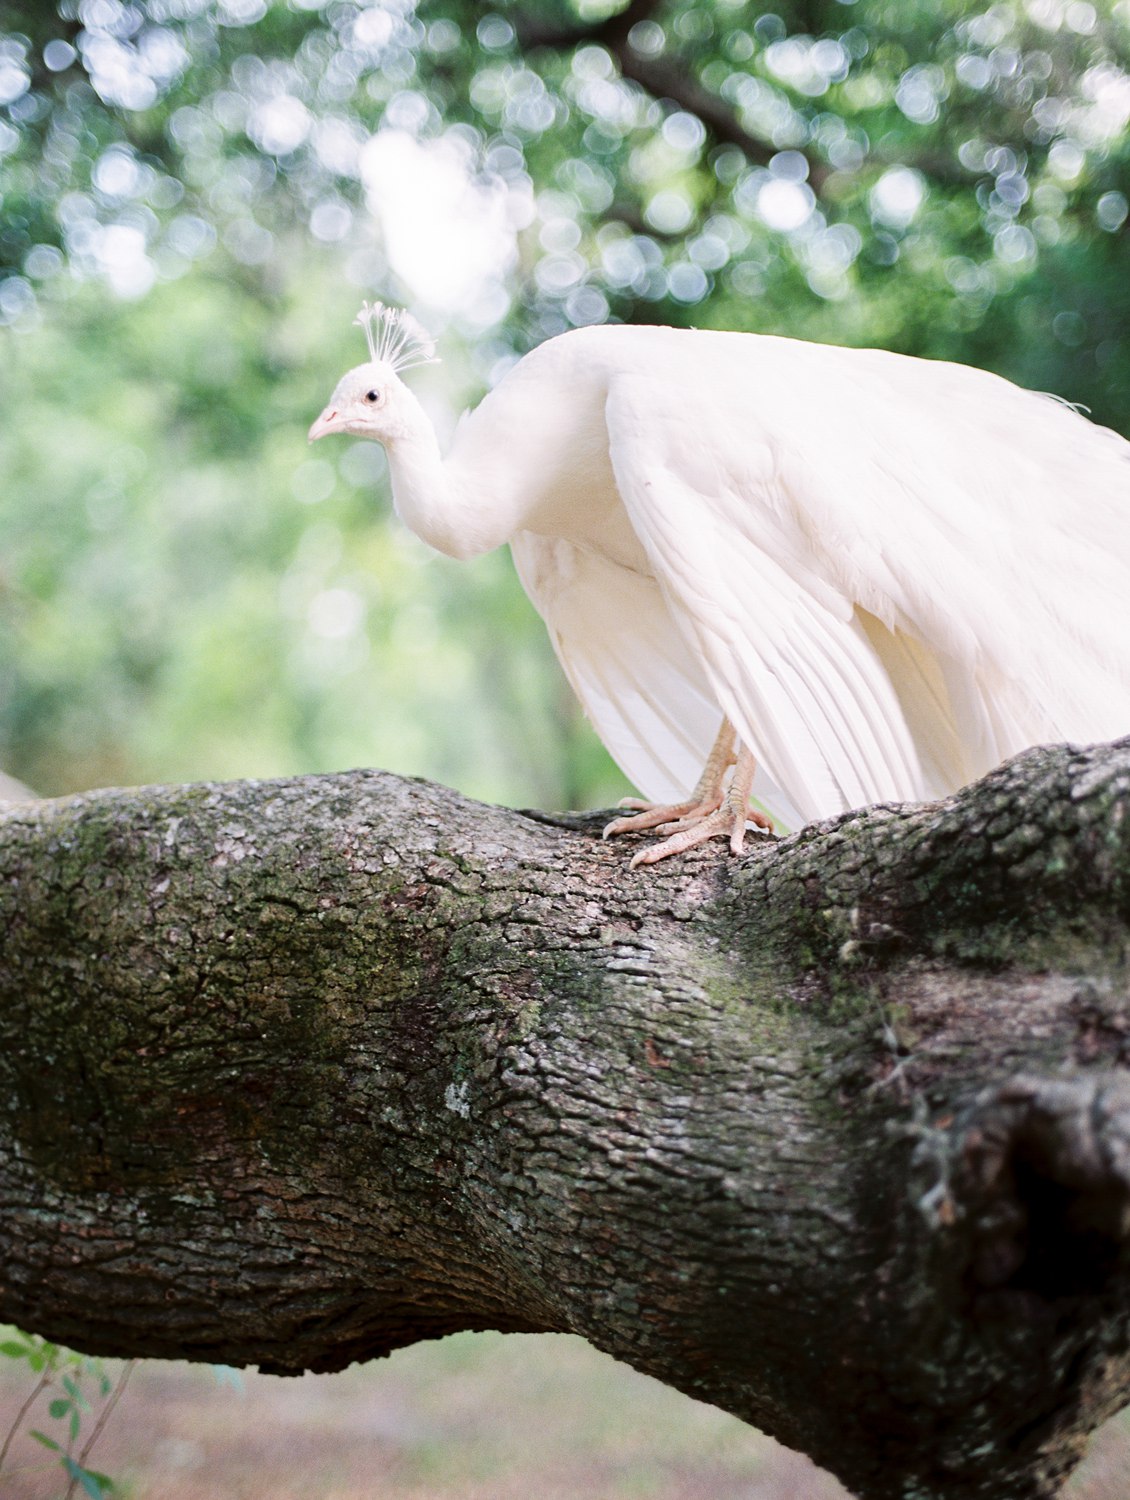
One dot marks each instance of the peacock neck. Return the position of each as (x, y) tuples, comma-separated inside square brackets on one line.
[(431, 498)]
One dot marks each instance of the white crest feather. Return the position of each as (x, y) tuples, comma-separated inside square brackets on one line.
[(395, 337)]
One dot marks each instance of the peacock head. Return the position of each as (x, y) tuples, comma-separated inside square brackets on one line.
[(369, 401)]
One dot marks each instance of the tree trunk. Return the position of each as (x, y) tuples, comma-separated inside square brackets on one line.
[(836, 1136)]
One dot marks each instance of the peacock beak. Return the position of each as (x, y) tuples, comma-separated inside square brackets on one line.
[(329, 421)]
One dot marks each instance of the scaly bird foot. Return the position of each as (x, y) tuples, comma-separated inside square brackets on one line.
[(704, 800), (708, 813), (728, 820), (656, 814)]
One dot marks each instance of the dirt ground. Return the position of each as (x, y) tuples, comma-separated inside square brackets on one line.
[(474, 1417)]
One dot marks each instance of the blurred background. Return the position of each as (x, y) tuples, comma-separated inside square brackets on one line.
[(196, 196)]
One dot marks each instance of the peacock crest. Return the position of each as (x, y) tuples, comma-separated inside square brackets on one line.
[(394, 337)]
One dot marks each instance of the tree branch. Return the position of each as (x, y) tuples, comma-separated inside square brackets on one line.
[(836, 1137), (662, 77), (674, 77), (612, 30)]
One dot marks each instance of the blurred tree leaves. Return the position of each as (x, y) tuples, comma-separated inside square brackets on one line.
[(196, 194)]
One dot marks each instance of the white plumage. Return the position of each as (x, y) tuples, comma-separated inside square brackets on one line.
[(888, 573)]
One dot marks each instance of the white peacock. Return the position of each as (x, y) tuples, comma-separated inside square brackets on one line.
[(850, 576)]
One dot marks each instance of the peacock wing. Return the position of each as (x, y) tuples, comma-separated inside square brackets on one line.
[(982, 532), (625, 659), (779, 644)]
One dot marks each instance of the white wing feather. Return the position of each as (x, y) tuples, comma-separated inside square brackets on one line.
[(988, 523), (783, 653), (641, 687), (880, 616), (889, 573)]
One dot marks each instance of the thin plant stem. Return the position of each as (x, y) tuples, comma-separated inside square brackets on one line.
[(44, 1380), (103, 1417)]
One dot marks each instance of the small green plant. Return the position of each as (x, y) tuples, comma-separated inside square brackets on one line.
[(69, 1382)]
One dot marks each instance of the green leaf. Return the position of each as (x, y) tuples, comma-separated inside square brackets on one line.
[(36, 1359), (60, 1406), (70, 1385), (14, 1350), (76, 1423), (95, 1485), (41, 1437)]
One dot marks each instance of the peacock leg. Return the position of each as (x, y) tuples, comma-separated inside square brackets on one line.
[(727, 819), (706, 797)]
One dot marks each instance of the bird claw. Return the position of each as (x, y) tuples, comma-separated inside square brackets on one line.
[(676, 825), (686, 833), (655, 815), (709, 812)]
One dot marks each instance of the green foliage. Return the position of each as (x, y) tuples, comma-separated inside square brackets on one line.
[(80, 1379), (193, 206)]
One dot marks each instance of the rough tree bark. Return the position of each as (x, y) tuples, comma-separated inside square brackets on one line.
[(836, 1137)]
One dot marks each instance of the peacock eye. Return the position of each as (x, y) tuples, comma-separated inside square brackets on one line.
[(373, 396)]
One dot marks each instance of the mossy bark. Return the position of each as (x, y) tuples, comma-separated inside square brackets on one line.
[(836, 1136)]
